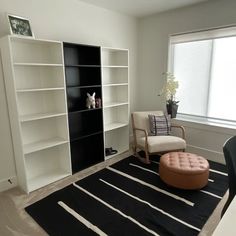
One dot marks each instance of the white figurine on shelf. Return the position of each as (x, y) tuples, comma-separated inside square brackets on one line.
[(90, 101)]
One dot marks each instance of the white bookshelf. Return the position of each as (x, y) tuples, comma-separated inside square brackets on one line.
[(36, 95), (114, 104), (115, 84), (39, 174), (38, 77), (43, 144), (118, 139), (114, 125), (39, 116), (38, 90), (115, 117), (115, 57)]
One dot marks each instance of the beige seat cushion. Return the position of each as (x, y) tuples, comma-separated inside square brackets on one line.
[(162, 143)]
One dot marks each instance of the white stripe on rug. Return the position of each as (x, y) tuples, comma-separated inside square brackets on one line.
[(116, 210), (218, 172), (151, 186), (212, 194), (150, 205), (156, 162), (142, 168), (82, 219), (210, 180), (215, 171)]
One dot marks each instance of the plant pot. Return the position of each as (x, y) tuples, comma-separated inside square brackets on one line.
[(172, 109)]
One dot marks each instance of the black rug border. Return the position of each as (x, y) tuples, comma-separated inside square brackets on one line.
[(110, 165)]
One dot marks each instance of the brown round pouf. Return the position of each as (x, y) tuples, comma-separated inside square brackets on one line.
[(184, 170)]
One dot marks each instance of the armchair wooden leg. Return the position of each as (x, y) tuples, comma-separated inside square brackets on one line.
[(147, 161), (142, 159), (135, 150)]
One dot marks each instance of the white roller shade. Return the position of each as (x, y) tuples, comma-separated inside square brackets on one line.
[(203, 35), (204, 65)]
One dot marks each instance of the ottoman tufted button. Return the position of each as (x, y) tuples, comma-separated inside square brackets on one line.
[(184, 170)]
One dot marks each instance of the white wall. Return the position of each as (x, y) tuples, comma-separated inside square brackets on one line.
[(153, 56), (71, 21)]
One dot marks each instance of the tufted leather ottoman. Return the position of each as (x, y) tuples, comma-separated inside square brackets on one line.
[(184, 170)]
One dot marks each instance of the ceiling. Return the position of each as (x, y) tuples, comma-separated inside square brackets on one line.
[(140, 8)]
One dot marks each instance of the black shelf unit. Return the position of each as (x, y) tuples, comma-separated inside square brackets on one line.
[(83, 75)]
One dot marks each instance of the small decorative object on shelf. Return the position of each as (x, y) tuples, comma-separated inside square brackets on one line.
[(98, 103), (169, 90), (19, 26), (90, 101), (110, 151)]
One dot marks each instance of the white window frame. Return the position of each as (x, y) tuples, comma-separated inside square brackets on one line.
[(206, 34)]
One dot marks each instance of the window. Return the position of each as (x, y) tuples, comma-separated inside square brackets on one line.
[(204, 63)]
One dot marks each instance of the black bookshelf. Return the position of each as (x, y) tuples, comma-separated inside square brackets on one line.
[(83, 75)]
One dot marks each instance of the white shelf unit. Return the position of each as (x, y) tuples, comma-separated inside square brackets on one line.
[(115, 117), (38, 77), (38, 174), (115, 95), (31, 103), (36, 95), (115, 84), (118, 139)]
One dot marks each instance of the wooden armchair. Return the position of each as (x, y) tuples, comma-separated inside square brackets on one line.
[(154, 144)]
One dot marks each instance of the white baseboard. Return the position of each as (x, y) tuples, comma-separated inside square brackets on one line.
[(207, 153), (6, 184)]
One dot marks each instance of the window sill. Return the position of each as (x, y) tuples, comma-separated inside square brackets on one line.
[(206, 124)]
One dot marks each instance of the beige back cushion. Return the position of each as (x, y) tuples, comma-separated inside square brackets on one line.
[(141, 121)]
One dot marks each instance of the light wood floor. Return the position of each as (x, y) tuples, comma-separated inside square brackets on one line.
[(14, 221)]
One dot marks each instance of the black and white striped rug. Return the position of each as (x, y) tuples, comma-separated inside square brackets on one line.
[(128, 198)]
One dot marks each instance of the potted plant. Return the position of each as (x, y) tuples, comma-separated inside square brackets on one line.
[(169, 90)]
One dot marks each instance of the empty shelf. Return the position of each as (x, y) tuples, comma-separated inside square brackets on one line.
[(43, 144), (114, 125), (39, 116)]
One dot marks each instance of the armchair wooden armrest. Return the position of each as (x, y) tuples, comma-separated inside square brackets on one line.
[(143, 130), (180, 127), (146, 160)]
